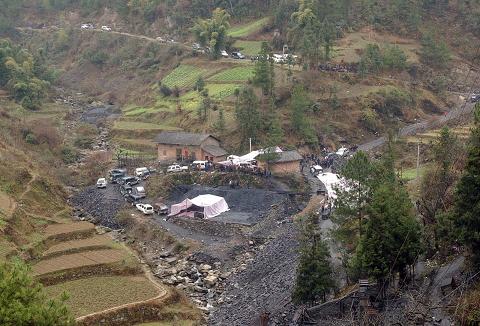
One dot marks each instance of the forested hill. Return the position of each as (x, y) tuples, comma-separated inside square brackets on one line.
[(401, 16)]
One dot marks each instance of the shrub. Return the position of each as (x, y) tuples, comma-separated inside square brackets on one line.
[(165, 90), (69, 155)]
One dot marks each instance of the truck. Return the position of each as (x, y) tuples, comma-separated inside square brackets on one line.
[(176, 168), (116, 174)]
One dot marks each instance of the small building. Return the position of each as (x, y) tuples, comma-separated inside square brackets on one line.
[(179, 146), (284, 163)]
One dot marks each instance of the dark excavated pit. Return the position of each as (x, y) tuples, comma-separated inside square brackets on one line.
[(248, 206)]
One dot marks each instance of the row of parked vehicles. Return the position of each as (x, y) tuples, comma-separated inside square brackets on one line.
[(91, 26)]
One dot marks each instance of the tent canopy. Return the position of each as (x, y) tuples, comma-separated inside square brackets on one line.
[(210, 205)]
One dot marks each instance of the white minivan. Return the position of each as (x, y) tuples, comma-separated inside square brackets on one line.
[(141, 171), (199, 165)]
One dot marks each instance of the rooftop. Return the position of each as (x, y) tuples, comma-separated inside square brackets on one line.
[(287, 156), (181, 138)]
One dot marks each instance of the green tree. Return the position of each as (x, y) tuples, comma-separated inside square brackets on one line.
[(467, 203), (434, 52), (263, 76), (436, 188), (220, 126), (301, 125), (392, 237), (371, 60), (272, 127), (204, 106), (355, 193), (199, 84), (23, 301), (314, 273), (212, 32), (247, 115), (394, 58)]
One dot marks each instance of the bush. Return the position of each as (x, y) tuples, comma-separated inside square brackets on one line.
[(83, 142), (69, 155), (434, 52), (98, 58), (165, 90), (31, 139)]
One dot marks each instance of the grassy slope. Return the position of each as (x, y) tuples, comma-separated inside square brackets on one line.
[(243, 30)]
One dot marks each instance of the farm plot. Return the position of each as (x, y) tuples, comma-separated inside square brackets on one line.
[(248, 47), (137, 125), (95, 242), (82, 259), (58, 229), (248, 29), (221, 91), (237, 74), (183, 76), (95, 294)]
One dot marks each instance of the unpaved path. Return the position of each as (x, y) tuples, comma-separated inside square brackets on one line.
[(421, 126)]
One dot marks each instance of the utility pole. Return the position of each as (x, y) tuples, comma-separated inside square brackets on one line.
[(250, 141), (418, 159)]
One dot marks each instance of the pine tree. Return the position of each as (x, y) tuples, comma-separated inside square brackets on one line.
[(220, 124), (467, 203), (314, 273), (247, 115), (392, 238), (263, 73), (300, 124), (23, 301)]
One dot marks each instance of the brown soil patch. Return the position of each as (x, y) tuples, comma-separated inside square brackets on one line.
[(7, 205), (72, 261), (57, 229), (72, 246)]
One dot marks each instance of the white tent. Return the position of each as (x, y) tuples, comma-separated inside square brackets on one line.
[(331, 181), (236, 160), (212, 205)]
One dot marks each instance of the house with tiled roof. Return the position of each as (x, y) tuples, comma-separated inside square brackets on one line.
[(178, 146)]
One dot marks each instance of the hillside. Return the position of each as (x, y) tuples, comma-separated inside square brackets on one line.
[(374, 96), (36, 224)]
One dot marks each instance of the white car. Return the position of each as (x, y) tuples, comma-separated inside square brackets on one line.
[(176, 168), (141, 171), (106, 28), (224, 54), (160, 39), (87, 26), (316, 170), (342, 151), (145, 208), (102, 183)]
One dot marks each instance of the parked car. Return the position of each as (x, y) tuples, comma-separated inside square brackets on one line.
[(138, 193), (475, 98), (139, 172), (199, 165), (160, 208), (224, 54), (102, 183), (130, 180), (237, 55), (145, 208), (106, 28), (160, 39), (116, 174), (126, 189), (176, 168), (87, 26), (316, 170)]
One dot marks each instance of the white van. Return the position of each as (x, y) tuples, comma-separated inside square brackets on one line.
[(199, 165), (141, 171)]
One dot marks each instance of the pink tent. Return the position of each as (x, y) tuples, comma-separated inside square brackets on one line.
[(210, 205)]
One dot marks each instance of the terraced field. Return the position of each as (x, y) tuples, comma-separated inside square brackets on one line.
[(183, 76), (77, 260), (57, 229), (107, 291), (248, 47), (221, 91), (95, 242), (237, 74), (245, 30), (137, 125)]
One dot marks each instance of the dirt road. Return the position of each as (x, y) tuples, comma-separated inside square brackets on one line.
[(421, 126)]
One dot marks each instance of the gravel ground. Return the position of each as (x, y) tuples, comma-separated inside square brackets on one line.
[(247, 206), (102, 204), (264, 286)]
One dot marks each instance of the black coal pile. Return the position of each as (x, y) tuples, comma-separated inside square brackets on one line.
[(264, 286), (101, 204), (99, 111), (253, 203)]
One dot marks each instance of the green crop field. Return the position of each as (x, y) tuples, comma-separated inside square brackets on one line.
[(183, 76), (248, 47), (234, 74), (221, 91), (94, 294), (247, 29), (136, 125)]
